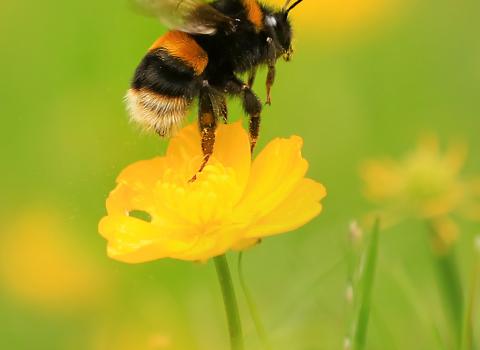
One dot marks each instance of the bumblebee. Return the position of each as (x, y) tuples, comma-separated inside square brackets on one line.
[(210, 43)]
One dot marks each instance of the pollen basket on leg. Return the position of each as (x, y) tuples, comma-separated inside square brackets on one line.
[(152, 111)]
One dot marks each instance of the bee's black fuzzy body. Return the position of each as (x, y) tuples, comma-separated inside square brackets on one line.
[(235, 52), (183, 66)]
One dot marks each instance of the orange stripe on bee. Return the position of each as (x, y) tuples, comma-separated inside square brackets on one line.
[(254, 13), (182, 46)]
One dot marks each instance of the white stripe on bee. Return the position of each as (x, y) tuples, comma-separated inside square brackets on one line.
[(154, 112)]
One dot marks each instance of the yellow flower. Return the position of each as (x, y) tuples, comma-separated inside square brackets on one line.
[(232, 204), (426, 183)]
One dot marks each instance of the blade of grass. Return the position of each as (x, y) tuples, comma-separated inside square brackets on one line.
[(450, 288), (262, 334), (354, 245), (449, 284), (365, 287), (467, 342)]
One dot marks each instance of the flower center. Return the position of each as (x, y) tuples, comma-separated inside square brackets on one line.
[(203, 203)]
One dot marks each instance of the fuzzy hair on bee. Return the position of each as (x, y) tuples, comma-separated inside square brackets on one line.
[(210, 44)]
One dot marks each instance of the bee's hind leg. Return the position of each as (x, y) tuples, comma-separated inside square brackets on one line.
[(223, 109), (270, 81), (253, 107), (272, 57), (251, 104), (207, 122), (252, 74)]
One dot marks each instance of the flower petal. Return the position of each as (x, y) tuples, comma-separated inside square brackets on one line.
[(245, 243), (382, 179), (119, 201), (133, 191), (274, 174), (124, 199), (214, 243), (134, 241), (301, 206), (143, 174), (232, 149), (134, 186), (184, 151)]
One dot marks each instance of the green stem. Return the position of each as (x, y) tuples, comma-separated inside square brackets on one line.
[(467, 342), (230, 301), (450, 286), (365, 288), (262, 334)]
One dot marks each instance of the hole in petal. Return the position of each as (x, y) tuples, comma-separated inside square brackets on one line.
[(141, 215)]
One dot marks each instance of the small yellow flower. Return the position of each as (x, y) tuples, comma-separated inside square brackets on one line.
[(426, 183), (232, 204)]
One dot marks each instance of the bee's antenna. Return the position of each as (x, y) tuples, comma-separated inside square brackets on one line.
[(292, 6), (287, 2)]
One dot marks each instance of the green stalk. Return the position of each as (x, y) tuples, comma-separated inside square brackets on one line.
[(230, 301), (451, 290), (262, 334), (450, 287), (367, 277), (467, 342)]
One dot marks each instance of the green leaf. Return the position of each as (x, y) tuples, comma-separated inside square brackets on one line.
[(365, 287), (467, 342)]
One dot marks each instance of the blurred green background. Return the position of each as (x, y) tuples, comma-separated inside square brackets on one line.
[(367, 78)]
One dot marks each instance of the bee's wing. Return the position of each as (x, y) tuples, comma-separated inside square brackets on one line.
[(191, 16)]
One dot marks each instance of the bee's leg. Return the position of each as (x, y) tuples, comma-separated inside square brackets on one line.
[(251, 105), (207, 123), (218, 102), (251, 77), (223, 109), (272, 57), (270, 81), (254, 130)]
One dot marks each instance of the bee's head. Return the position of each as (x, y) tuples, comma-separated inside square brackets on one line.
[(280, 25)]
